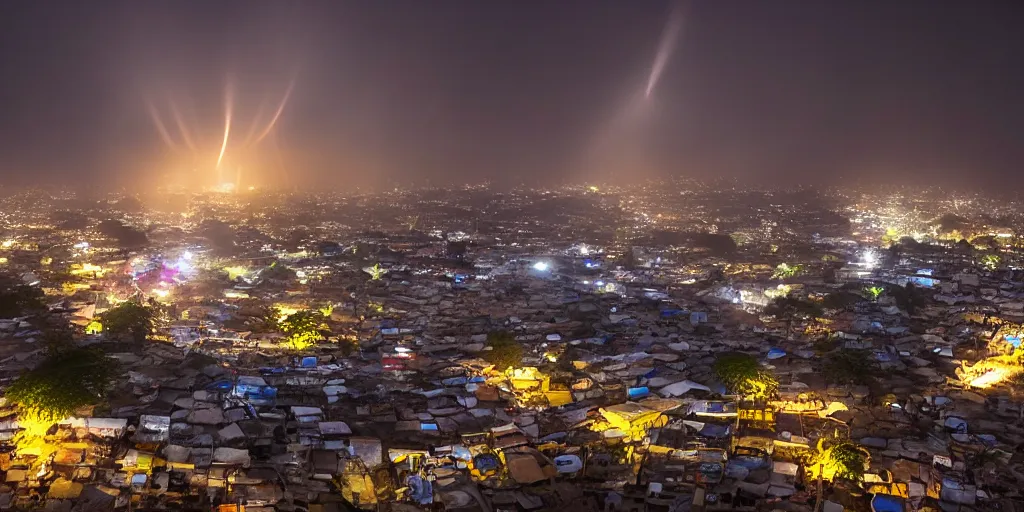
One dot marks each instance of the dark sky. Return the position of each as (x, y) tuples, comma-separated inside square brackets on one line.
[(466, 90)]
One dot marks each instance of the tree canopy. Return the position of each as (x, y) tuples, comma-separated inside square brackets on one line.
[(848, 366), (840, 300), (304, 328), (743, 374), (128, 321), (844, 460), (17, 299), (126, 236), (720, 245), (792, 306), (785, 270), (505, 351), (909, 297), (67, 380)]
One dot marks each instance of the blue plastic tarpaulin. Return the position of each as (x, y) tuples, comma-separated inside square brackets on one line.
[(638, 392), (421, 490), (886, 503), (486, 462)]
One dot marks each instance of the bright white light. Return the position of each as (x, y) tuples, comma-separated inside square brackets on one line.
[(187, 255), (869, 258), (599, 283), (541, 266), (584, 250), (402, 350), (81, 245)]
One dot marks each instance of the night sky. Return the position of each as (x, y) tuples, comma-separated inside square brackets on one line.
[(453, 91)]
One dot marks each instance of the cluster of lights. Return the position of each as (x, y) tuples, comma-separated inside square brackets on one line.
[(869, 258)]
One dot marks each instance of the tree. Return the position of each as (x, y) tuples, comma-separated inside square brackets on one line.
[(784, 271), (909, 297), (456, 250), (72, 220), (843, 460), (304, 328), (266, 318), (718, 245), (566, 358), (872, 292), (220, 235), (789, 306), (990, 261), (348, 345), (743, 375), (950, 223), (67, 380), (375, 271), (505, 351), (276, 272), (129, 321), (127, 237), (17, 299), (840, 300), (849, 366)]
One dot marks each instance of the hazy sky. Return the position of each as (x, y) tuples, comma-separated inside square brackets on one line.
[(466, 90)]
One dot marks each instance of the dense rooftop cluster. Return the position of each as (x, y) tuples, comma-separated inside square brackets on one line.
[(582, 348)]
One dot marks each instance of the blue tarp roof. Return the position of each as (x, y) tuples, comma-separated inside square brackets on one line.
[(886, 503)]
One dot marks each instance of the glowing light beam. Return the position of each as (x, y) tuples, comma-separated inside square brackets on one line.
[(185, 134), (277, 114), (227, 123), (160, 127), (666, 46), (255, 124)]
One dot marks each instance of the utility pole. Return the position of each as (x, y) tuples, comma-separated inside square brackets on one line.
[(820, 501)]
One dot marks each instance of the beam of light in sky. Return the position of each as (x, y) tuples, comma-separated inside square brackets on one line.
[(666, 46), (160, 127), (185, 134), (255, 124), (229, 97), (277, 114), (276, 139)]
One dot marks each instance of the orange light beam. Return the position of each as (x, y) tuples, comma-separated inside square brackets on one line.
[(227, 124), (181, 126), (255, 123), (280, 108), (160, 127)]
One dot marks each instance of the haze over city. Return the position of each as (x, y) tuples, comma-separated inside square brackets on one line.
[(539, 93), (511, 256)]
